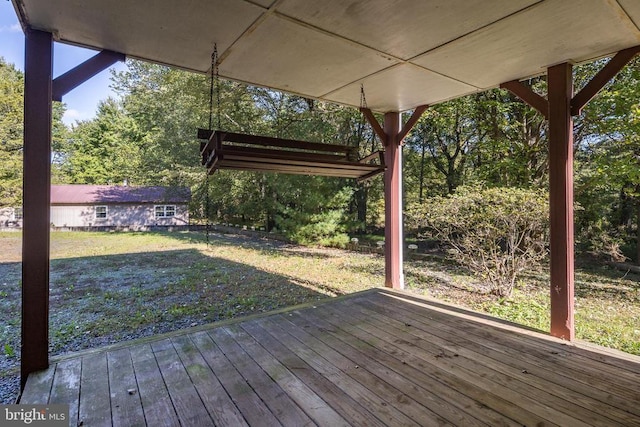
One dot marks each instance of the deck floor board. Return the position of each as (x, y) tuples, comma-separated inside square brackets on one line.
[(375, 358)]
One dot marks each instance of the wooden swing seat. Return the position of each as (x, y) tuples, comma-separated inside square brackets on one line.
[(228, 150)]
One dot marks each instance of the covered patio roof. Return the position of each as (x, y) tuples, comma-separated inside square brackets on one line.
[(405, 53)]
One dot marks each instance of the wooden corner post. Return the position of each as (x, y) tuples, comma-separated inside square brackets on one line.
[(393, 241), (391, 134), (36, 187), (560, 93)]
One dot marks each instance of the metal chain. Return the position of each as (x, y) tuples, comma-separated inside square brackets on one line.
[(216, 71), (207, 208), (213, 58), (363, 98), (214, 86)]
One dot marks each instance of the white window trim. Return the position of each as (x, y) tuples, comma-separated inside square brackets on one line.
[(106, 212), (164, 211)]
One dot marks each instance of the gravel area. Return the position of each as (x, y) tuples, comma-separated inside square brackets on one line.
[(128, 286)]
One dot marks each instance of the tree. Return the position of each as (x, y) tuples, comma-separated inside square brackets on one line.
[(11, 115), (608, 156), (11, 134), (498, 232), (106, 149)]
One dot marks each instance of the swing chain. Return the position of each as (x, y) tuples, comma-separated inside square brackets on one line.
[(214, 86), (363, 98), (216, 65)]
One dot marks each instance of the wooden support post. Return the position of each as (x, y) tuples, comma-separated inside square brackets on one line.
[(391, 135), (394, 277), (36, 184), (560, 82)]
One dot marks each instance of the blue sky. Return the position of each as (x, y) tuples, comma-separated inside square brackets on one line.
[(82, 101)]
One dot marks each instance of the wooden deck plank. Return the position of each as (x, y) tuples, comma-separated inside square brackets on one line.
[(312, 404), (546, 347), (280, 404), (359, 383), (491, 381), (386, 382), (426, 390), (66, 386), (186, 400), (251, 406), (418, 369), (95, 404), (287, 350), (380, 357), (38, 387), (220, 406), (156, 403), (542, 352), (126, 407), (520, 381), (435, 397), (450, 339)]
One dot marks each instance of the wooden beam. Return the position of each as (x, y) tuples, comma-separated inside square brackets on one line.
[(34, 355), (417, 113), (605, 75), (393, 241), (268, 141), (73, 78), (527, 95), (368, 114), (561, 200)]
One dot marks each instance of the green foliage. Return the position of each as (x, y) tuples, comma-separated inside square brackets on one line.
[(498, 232), (11, 96), (317, 218), (11, 134), (608, 160), (9, 351)]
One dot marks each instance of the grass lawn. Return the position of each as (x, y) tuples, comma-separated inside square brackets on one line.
[(111, 287)]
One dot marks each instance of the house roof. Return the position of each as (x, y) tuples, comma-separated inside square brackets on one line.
[(405, 52), (94, 194)]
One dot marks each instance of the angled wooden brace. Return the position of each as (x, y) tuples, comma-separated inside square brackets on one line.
[(587, 93), (73, 78)]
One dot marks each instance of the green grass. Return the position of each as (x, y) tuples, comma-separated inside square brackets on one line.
[(109, 287)]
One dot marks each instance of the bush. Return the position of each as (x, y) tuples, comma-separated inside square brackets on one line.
[(323, 224), (497, 232)]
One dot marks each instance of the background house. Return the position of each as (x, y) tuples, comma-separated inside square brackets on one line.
[(118, 207)]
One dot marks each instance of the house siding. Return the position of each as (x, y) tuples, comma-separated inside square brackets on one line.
[(134, 216)]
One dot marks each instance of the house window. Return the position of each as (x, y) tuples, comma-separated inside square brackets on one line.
[(17, 214), (101, 212), (165, 211)]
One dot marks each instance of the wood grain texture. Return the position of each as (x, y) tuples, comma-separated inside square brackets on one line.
[(380, 357)]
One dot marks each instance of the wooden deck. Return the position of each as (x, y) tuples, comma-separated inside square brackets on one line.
[(374, 358)]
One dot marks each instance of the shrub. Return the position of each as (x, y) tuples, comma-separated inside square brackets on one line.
[(321, 223), (496, 232)]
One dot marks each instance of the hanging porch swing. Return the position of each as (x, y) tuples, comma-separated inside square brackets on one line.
[(238, 151)]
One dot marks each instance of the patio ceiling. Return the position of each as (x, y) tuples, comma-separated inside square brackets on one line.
[(405, 52)]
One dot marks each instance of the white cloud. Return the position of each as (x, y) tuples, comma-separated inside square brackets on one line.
[(71, 116), (15, 28)]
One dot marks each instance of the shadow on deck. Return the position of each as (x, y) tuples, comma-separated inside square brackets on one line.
[(374, 358)]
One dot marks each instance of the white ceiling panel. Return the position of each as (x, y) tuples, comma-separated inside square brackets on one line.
[(325, 48), (164, 33), (632, 8), (400, 88), (526, 43), (385, 25), (283, 55)]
